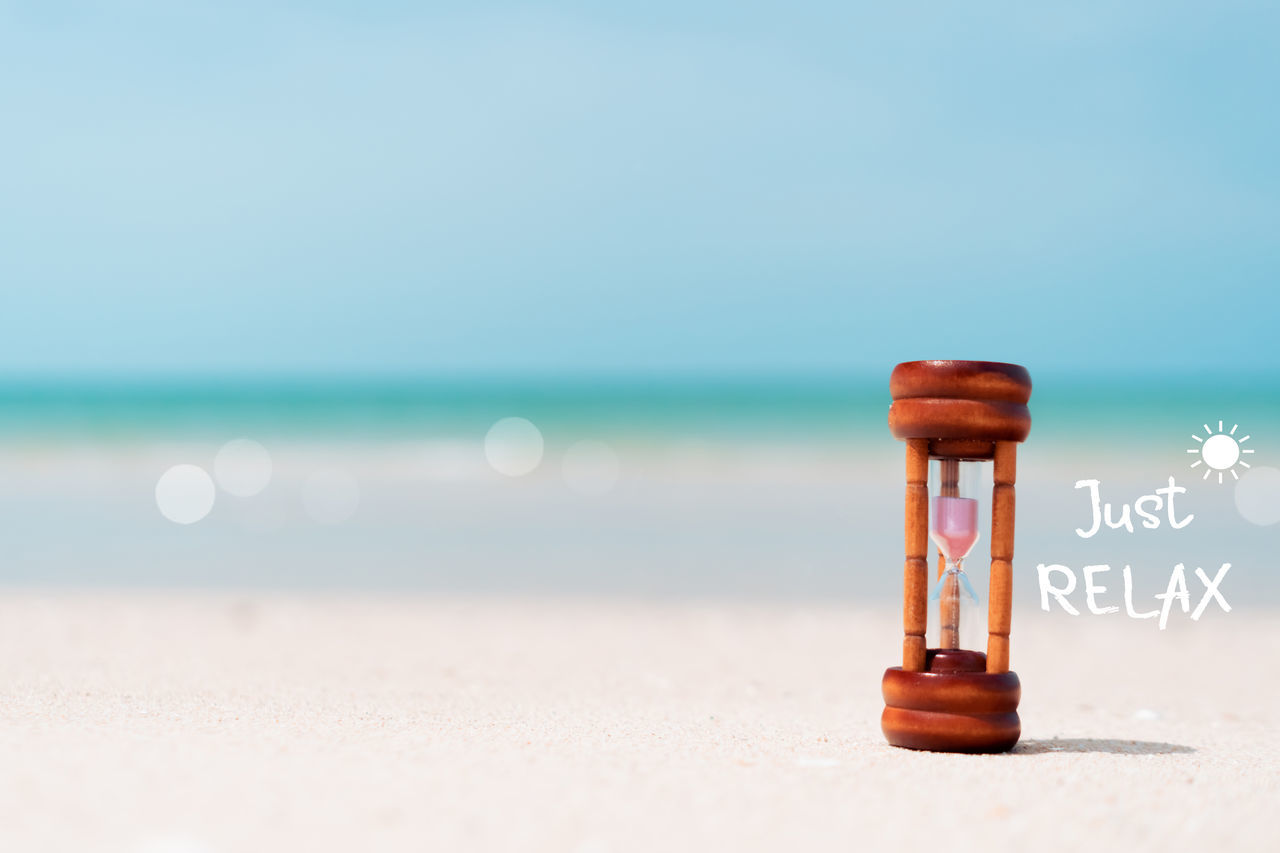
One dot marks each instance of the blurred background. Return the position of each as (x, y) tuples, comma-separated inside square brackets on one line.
[(602, 299)]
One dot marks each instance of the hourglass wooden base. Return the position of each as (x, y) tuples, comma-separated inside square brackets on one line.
[(955, 705)]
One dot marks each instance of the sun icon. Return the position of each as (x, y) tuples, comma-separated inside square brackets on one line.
[(1220, 452)]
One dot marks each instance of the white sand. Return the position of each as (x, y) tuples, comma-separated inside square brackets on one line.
[(189, 722)]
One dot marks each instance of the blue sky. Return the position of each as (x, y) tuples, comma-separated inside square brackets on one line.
[(560, 188)]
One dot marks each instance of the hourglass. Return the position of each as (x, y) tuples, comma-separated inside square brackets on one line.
[(954, 416)]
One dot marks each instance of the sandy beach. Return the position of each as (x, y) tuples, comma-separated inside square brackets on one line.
[(140, 721)]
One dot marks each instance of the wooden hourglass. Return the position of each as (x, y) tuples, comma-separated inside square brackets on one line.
[(957, 413)]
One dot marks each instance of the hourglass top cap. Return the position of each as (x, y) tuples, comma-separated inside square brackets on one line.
[(971, 380), (979, 400)]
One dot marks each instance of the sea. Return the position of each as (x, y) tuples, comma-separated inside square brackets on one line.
[(671, 486)]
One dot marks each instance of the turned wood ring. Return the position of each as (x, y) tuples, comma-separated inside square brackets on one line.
[(964, 405)]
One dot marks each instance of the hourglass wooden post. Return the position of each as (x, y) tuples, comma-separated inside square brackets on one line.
[(950, 698)]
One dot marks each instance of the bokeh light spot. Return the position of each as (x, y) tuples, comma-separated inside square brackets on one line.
[(330, 496), (513, 447), (590, 468), (185, 494), (242, 467), (1258, 496)]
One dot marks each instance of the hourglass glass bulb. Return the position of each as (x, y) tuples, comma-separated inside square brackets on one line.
[(953, 516), (960, 617), (953, 527)]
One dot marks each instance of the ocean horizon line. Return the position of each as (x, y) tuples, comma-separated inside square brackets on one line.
[(797, 408)]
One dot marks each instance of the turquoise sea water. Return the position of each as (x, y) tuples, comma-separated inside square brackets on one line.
[(770, 487), (778, 408)]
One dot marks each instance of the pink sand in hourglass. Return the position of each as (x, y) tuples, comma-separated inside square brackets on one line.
[(953, 525)]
